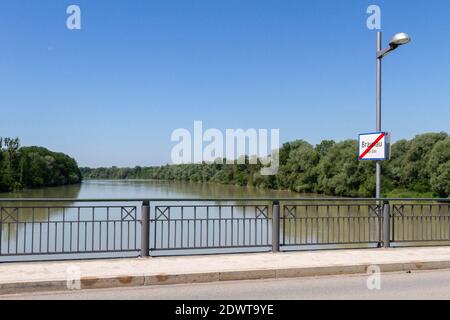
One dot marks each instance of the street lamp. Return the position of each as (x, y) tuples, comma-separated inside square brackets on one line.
[(398, 40)]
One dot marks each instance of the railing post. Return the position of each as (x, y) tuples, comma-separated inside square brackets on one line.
[(379, 224), (145, 229), (276, 227), (386, 225)]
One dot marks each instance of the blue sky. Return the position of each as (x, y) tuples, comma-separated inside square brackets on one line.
[(113, 92)]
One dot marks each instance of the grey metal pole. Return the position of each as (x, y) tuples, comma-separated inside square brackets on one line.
[(378, 125), (145, 229), (386, 225), (276, 227)]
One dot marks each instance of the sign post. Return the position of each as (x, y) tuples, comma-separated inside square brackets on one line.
[(376, 146)]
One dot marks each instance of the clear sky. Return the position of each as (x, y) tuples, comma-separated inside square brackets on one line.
[(113, 92)]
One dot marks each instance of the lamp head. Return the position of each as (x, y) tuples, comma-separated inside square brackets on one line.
[(399, 39)]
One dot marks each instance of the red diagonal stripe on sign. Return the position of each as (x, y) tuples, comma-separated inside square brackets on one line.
[(372, 146)]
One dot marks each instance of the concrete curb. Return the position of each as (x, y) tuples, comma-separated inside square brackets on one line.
[(204, 277)]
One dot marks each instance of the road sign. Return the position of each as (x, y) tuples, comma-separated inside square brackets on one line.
[(374, 146)]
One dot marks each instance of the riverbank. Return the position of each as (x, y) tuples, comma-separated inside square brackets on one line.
[(405, 194), (69, 275)]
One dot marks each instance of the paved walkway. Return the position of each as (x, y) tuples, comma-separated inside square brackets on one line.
[(48, 276)]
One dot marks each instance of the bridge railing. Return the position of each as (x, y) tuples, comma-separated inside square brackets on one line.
[(311, 225), (35, 230), (210, 226), (419, 223), (41, 229)]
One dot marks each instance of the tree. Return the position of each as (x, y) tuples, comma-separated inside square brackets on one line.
[(409, 167), (341, 173), (34, 167), (439, 166), (299, 172), (325, 146)]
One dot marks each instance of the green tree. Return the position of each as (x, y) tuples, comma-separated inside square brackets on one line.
[(34, 167), (439, 166), (299, 172), (342, 174)]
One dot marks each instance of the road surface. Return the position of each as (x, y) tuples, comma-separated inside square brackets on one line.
[(415, 285)]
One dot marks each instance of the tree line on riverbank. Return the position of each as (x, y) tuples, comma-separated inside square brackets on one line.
[(419, 167), (34, 167)]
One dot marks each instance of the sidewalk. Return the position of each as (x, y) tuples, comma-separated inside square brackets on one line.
[(48, 276)]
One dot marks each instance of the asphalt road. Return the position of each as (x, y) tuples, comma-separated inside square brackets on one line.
[(416, 285)]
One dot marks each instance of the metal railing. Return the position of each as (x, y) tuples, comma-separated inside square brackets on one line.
[(210, 226), (315, 225), (63, 230), (41, 229), (419, 223)]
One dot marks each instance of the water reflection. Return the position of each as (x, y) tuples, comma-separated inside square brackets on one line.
[(70, 192)]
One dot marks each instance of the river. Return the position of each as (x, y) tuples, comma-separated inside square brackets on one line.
[(136, 189)]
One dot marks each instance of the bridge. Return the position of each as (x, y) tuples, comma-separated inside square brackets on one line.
[(44, 243)]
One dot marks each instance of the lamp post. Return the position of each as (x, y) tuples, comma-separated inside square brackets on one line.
[(398, 40)]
